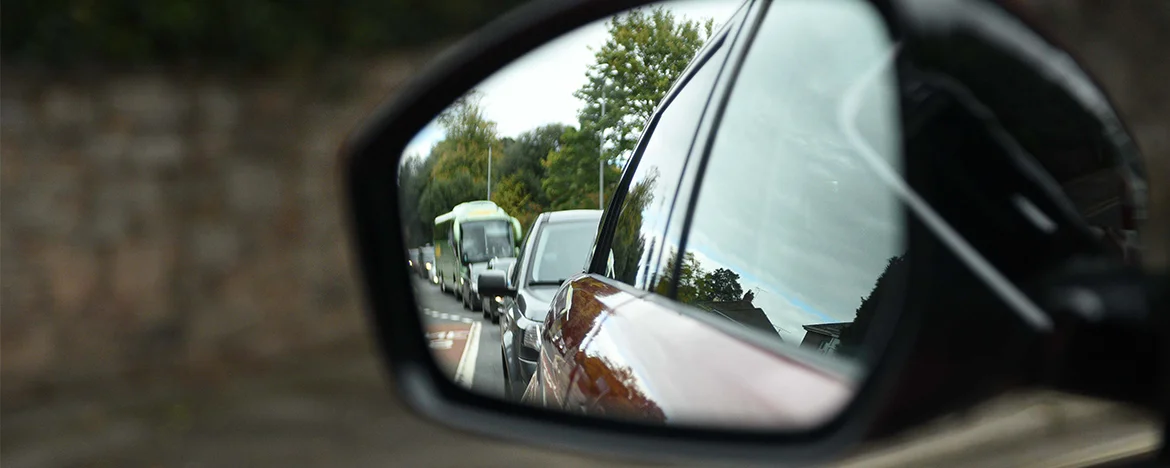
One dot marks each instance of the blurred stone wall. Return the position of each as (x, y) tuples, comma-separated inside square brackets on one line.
[(157, 219)]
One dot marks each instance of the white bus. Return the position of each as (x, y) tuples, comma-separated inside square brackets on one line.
[(465, 240)]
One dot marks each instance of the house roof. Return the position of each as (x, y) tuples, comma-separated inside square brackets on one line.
[(742, 312), (828, 329)]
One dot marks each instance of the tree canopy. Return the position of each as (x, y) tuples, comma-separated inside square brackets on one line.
[(555, 166)]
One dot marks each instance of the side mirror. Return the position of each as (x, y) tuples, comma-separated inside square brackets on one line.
[(494, 283), (951, 278)]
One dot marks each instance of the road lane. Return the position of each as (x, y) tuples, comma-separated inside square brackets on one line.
[(465, 345)]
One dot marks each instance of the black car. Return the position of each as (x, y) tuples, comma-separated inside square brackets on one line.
[(491, 304), (555, 248)]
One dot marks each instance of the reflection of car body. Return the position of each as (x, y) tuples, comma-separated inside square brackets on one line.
[(623, 342), (491, 305), (555, 249), (468, 237)]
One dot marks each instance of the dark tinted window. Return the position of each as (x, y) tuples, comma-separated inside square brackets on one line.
[(792, 227), (655, 181)]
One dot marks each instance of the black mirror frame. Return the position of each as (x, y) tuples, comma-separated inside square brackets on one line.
[(372, 154)]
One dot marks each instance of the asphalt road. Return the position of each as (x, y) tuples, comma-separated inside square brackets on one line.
[(466, 345)]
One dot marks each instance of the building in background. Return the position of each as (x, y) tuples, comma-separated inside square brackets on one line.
[(825, 337)]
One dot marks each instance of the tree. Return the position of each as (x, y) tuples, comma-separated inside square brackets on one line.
[(696, 285), (645, 53), (412, 178), (628, 241), (721, 285), (688, 289), (513, 196), (459, 161), (853, 336), (524, 157), (571, 173)]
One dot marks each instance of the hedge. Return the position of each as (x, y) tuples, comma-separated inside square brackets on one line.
[(63, 32)]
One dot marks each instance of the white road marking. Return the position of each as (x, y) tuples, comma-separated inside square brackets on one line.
[(465, 373), (465, 320)]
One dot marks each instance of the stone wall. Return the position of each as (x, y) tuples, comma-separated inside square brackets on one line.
[(159, 219)]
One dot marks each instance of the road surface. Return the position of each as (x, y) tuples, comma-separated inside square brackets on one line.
[(466, 345)]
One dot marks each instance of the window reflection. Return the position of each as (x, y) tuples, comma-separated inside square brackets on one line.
[(657, 173), (792, 230)]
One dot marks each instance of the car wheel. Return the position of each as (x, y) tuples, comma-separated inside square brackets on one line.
[(476, 305), (487, 311), (465, 298), (442, 285)]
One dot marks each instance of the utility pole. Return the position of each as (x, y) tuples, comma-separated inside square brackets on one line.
[(601, 153), (489, 171)]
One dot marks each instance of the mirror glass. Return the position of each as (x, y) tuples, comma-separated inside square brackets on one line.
[(757, 312)]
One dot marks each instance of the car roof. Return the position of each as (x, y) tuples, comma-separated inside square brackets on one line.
[(573, 215)]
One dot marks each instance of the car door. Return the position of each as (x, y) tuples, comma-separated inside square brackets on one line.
[(633, 229), (787, 232), (510, 307)]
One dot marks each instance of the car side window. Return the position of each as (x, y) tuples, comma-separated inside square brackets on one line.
[(514, 270), (654, 183), (792, 228)]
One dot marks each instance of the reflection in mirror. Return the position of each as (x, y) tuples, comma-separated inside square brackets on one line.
[(502, 197)]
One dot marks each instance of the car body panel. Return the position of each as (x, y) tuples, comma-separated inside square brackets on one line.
[(627, 356)]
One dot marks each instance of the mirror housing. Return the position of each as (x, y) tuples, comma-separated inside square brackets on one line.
[(494, 283), (423, 387)]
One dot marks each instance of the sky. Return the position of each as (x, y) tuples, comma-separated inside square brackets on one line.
[(538, 88)]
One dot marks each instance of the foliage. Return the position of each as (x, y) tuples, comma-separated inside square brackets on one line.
[(571, 173), (555, 167), (455, 172), (628, 241), (524, 158), (412, 179), (66, 32), (721, 285), (853, 336), (645, 53), (696, 285)]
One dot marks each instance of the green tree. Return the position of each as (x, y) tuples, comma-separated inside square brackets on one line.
[(628, 241), (413, 176), (513, 196), (721, 285), (459, 161), (571, 173), (645, 53), (524, 157)]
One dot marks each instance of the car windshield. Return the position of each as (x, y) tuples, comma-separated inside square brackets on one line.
[(562, 250), (483, 240)]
